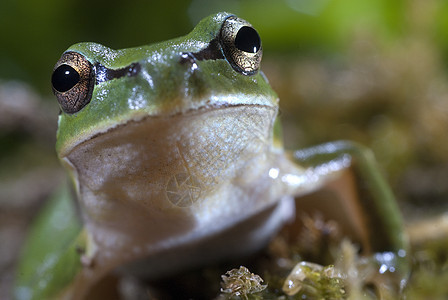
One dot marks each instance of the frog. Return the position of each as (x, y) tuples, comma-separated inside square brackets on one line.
[(175, 157)]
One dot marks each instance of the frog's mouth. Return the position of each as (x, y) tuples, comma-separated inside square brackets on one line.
[(167, 163)]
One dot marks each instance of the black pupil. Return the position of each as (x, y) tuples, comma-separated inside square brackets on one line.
[(64, 78), (248, 40)]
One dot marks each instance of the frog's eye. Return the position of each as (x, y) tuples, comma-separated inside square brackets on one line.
[(73, 80), (241, 45)]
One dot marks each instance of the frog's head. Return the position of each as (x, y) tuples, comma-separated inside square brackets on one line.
[(215, 66), (173, 120)]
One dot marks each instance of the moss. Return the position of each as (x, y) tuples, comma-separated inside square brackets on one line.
[(309, 280), (241, 284)]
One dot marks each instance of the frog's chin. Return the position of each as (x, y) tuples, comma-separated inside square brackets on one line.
[(169, 182), (163, 177)]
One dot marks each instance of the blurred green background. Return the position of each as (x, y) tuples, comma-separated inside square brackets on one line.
[(35, 33), (373, 71)]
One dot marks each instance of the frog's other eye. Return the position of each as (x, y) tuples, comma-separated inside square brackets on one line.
[(73, 80), (241, 45)]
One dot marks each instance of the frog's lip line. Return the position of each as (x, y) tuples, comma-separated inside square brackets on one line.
[(141, 118), (200, 110)]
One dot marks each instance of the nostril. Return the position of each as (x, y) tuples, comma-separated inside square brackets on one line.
[(187, 57), (134, 69), (190, 59)]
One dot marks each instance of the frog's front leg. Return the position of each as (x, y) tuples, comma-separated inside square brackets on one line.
[(355, 195), (56, 262), (51, 257)]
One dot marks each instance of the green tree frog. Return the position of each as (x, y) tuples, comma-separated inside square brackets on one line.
[(175, 154)]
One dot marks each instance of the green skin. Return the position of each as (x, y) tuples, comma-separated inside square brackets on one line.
[(72, 257)]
